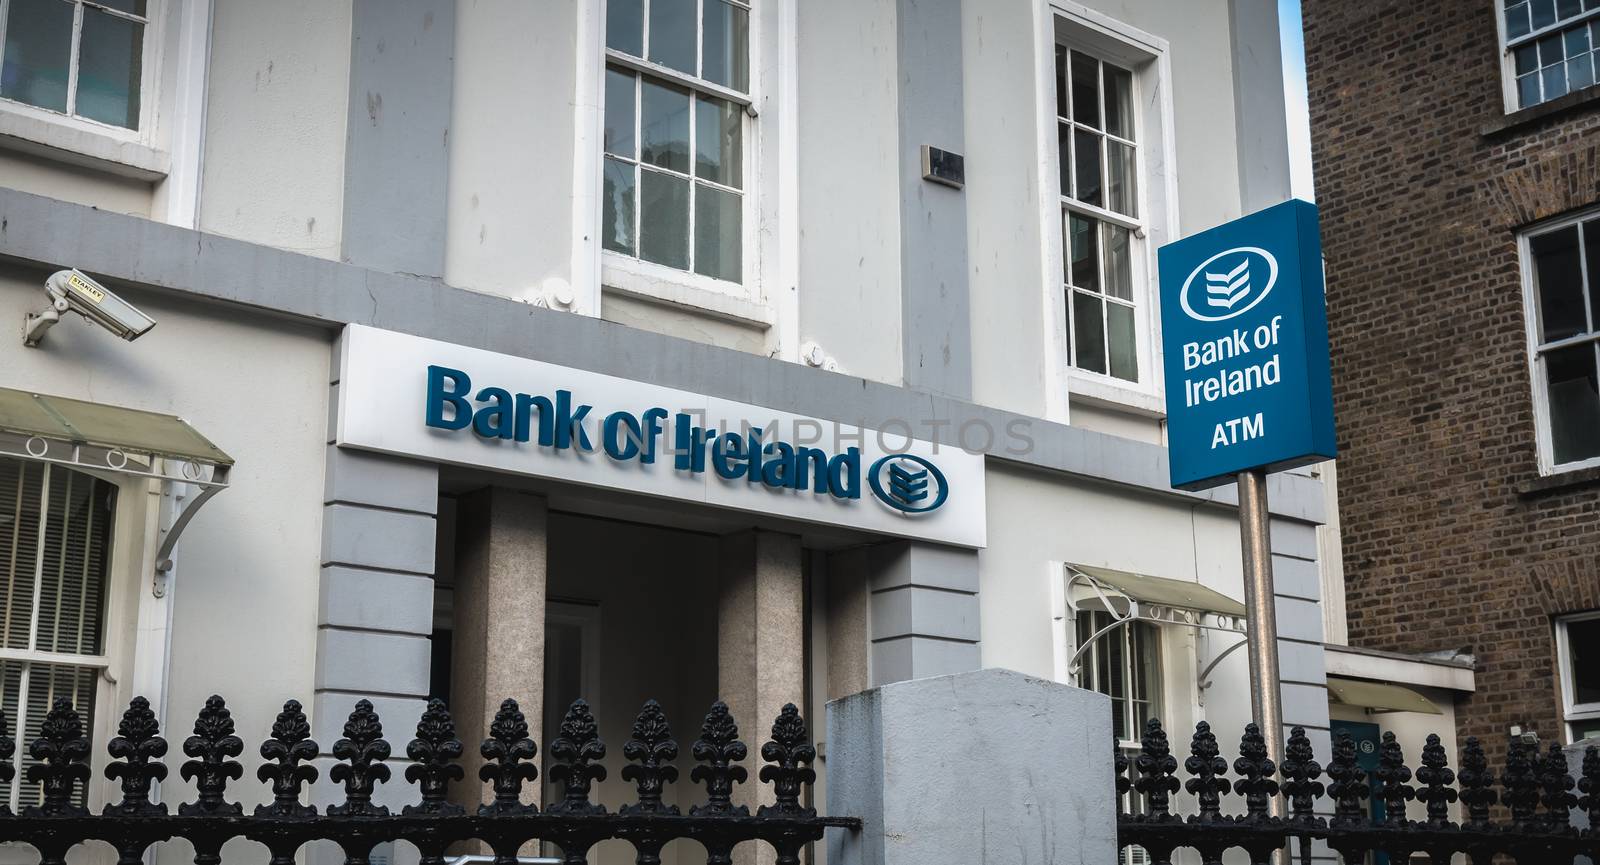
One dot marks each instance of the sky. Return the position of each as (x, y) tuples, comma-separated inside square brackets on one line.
[(1292, 37)]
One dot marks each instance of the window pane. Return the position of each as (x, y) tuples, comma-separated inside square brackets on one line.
[(1061, 82), (132, 7), (1119, 265), (1528, 89), (1554, 80), (665, 126), (76, 554), (1122, 342), (1086, 157), (1580, 72), (672, 33), (1591, 248), (1583, 639), (1574, 404), (718, 150), (664, 219), (625, 26), (21, 485), (718, 233), (1568, 8), (1082, 270), (1577, 40), (1085, 90), (1560, 284), (1064, 156), (37, 53), (111, 59), (1544, 12), (1119, 101), (47, 683), (616, 218), (726, 45), (620, 115), (1517, 20), (1550, 51), (1527, 59), (1088, 332), (1121, 190)]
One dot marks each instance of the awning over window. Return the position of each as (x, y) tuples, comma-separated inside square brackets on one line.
[(106, 438), (1379, 697), (1180, 594), (111, 428)]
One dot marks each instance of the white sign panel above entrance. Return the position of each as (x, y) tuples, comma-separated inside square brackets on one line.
[(421, 398)]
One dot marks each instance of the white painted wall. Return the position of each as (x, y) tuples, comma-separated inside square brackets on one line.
[(849, 190), (511, 146), (275, 123), (248, 566)]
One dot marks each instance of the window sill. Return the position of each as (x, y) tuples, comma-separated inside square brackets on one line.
[(1561, 481), (63, 141), (663, 285), (1100, 391), (1516, 120)]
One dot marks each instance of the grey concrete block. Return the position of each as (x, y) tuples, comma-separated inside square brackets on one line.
[(1299, 619), (905, 658), (369, 538), (356, 477), (1296, 578), (915, 611), (330, 709), (1294, 538), (990, 766), (1302, 662), (909, 563), (137, 253), (368, 661), (1306, 705), (376, 600)]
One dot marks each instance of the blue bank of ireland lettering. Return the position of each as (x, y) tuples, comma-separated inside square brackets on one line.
[(1245, 338)]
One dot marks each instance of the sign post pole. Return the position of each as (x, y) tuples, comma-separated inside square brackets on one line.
[(1266, 704)]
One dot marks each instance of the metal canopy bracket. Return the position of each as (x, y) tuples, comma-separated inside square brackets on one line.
[(1125, 607)]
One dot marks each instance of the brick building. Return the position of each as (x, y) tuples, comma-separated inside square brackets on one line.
[(1457, 157)]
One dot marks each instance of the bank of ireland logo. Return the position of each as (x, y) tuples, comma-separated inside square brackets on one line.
[(908, 483), (1229, 283)]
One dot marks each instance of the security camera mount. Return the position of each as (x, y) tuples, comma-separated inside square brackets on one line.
[(73, 291)]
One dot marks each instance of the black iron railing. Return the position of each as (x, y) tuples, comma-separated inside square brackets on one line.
[(1537, 792), (433, 824)]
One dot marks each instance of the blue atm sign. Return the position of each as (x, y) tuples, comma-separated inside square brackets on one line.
[(1245, 340)]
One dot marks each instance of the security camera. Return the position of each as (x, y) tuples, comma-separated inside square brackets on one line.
[(73, 291)]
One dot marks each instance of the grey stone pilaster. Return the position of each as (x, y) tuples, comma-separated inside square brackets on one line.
[(934, 290), (989, 766), (1302, 668), (502, 570), (760, 641), (1260, 121), (923, 612), (397, 136)]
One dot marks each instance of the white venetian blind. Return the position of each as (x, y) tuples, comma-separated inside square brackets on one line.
[(55, 541)]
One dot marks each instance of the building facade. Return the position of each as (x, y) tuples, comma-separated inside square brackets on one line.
[(628, 349), (1456, 161)]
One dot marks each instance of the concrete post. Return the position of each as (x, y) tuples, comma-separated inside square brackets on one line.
[(989, 766), (498, 646), (760, 647)]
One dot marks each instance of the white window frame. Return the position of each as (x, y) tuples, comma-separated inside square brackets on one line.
[(1148, 57), (53, 130), (1572, 713), (769, 177), (1508, 68), (1536, 348)]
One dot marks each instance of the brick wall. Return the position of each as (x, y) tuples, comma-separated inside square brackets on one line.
[(1430, 361)]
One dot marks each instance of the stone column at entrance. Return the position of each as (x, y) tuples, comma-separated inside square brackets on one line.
[(760, 647), (498, 645)]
